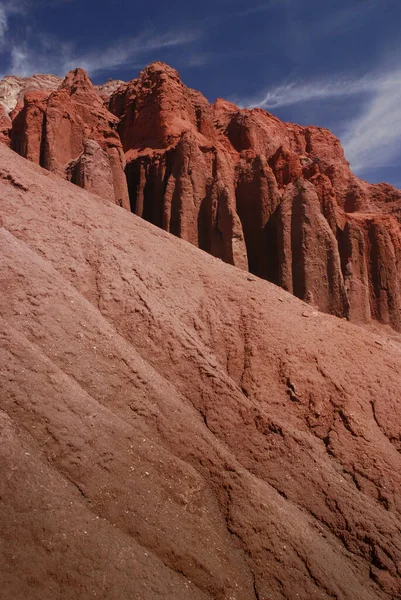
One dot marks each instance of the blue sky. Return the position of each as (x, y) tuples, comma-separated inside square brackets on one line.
[(335, 64)]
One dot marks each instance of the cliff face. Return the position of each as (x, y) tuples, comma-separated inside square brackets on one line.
[(71, 133), (270, 197)]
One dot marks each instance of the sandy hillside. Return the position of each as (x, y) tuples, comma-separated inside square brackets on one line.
[(174, 428)]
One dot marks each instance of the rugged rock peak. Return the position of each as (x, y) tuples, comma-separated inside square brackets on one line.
[(159, 71), (222, 106), (77, 80), (53, 131), (77, 90), (157, 108)]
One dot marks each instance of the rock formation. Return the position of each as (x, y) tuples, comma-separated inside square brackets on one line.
[(108, 88), (174, 428), (71, 133), (13, 89), (273, 198)]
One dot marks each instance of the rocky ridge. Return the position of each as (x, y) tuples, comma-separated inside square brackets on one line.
[(273, 198)]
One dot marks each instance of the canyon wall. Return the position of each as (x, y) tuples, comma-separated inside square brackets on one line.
[(273, 198)]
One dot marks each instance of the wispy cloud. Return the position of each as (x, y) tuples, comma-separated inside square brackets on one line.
[(266, 6), (7, 9), (371, 139), (217, 20), (58, 58), (43, 53), (3, 24), (298, 92), (129, 50)]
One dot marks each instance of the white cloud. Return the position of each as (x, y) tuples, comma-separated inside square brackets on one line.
[(3, 24), (58, 58), (373, 138), (127, 51), (8, 8), (45, 54), (297, 92)]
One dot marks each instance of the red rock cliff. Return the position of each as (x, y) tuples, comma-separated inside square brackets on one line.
[(71, 133), (274, 198)]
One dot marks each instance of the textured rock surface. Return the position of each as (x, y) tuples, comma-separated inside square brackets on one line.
[(59, 131), (5, 126), (110, 87), (273, 197), (172, 427), (13, 89)]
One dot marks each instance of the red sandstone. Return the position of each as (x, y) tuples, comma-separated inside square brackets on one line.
[(59, 131), (273, 198)]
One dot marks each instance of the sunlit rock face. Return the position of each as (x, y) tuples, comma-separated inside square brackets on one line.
[(59, 130), (273, 198)]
